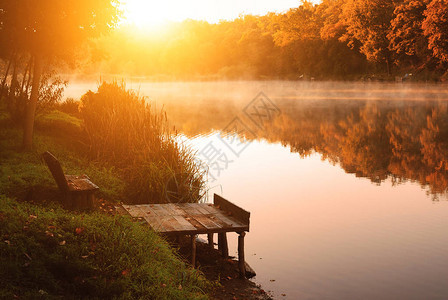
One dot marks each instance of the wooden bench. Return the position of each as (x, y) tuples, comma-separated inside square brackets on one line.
[(78, 190), (197, 218)]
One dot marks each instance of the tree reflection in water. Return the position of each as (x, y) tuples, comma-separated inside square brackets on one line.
[(378, 140)]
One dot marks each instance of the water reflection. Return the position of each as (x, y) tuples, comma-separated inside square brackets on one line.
[(379, 140), (316, 229)]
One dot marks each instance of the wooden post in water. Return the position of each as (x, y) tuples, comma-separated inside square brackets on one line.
[(210, 240), (241, 259), (193, 250), (222, 244)]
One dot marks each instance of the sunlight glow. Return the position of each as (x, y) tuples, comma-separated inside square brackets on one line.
[(144, 13)]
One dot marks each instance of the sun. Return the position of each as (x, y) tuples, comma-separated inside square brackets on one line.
[(150, 13)]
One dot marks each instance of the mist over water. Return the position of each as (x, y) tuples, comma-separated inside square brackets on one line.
[(346, 182)]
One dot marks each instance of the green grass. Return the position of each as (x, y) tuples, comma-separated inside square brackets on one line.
[(57, 117), (22, 171), (47, 251)]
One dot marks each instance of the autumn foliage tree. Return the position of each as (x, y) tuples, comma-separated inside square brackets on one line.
[(368, 21), (435, 27), (50, 31), (406, 35)]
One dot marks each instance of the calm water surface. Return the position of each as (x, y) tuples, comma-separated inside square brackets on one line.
[(346, 182)]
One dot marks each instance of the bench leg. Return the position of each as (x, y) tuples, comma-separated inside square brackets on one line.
[(193, 250), (222, 244), (241, 260), (210, 240)]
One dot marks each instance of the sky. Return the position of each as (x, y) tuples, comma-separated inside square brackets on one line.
[(145, 13)]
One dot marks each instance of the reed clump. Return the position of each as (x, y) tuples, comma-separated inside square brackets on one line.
[(126, 130)]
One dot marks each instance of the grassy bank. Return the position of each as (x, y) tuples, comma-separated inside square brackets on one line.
[(51, 253), (48, 252)]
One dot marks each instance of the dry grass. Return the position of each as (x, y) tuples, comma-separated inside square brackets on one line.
[(125, 130)]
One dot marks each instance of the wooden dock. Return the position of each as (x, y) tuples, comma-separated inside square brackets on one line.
[(197, 218)]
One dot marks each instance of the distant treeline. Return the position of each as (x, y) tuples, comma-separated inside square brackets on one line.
[(336, 39)]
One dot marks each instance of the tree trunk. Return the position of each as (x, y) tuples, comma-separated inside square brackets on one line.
[(31, 106), (5, 78), (13, 85)]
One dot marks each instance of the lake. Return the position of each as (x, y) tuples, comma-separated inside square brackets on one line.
[(346, 182)]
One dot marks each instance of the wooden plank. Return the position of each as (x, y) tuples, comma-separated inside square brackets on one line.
[(120, 210), (162, 224), (134, 211), (159, 210), (193, 250), (186, 226), (155, 224), (56, 170), (210, 208), (146, 210), (241, 259), (175, 209), (210, 240), (187, 218), (236, 211), (228, 222), (207, 222), (199, 227), (80, 183), (190, 210), (222, 244), (197, 207)]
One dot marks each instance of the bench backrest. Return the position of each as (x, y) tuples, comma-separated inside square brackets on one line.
[(236, 211), (56, 170)]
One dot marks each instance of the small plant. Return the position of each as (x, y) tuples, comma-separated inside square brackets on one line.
[(69, 106)]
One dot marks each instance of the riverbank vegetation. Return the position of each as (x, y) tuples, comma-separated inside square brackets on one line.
[(46, 251), (335, 39)]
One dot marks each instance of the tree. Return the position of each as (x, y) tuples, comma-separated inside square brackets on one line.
[(368, 21), (50, 31), (435, 27), (406, 36)]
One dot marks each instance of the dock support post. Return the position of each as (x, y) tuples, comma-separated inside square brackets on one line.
[(193, 250), (210, 240), (222, 244), (241, 260)]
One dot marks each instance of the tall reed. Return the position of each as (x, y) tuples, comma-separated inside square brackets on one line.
[(125, 130)]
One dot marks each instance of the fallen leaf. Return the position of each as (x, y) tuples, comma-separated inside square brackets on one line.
[(79, 230), (48, 233), (62, 243), (125, 272)]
